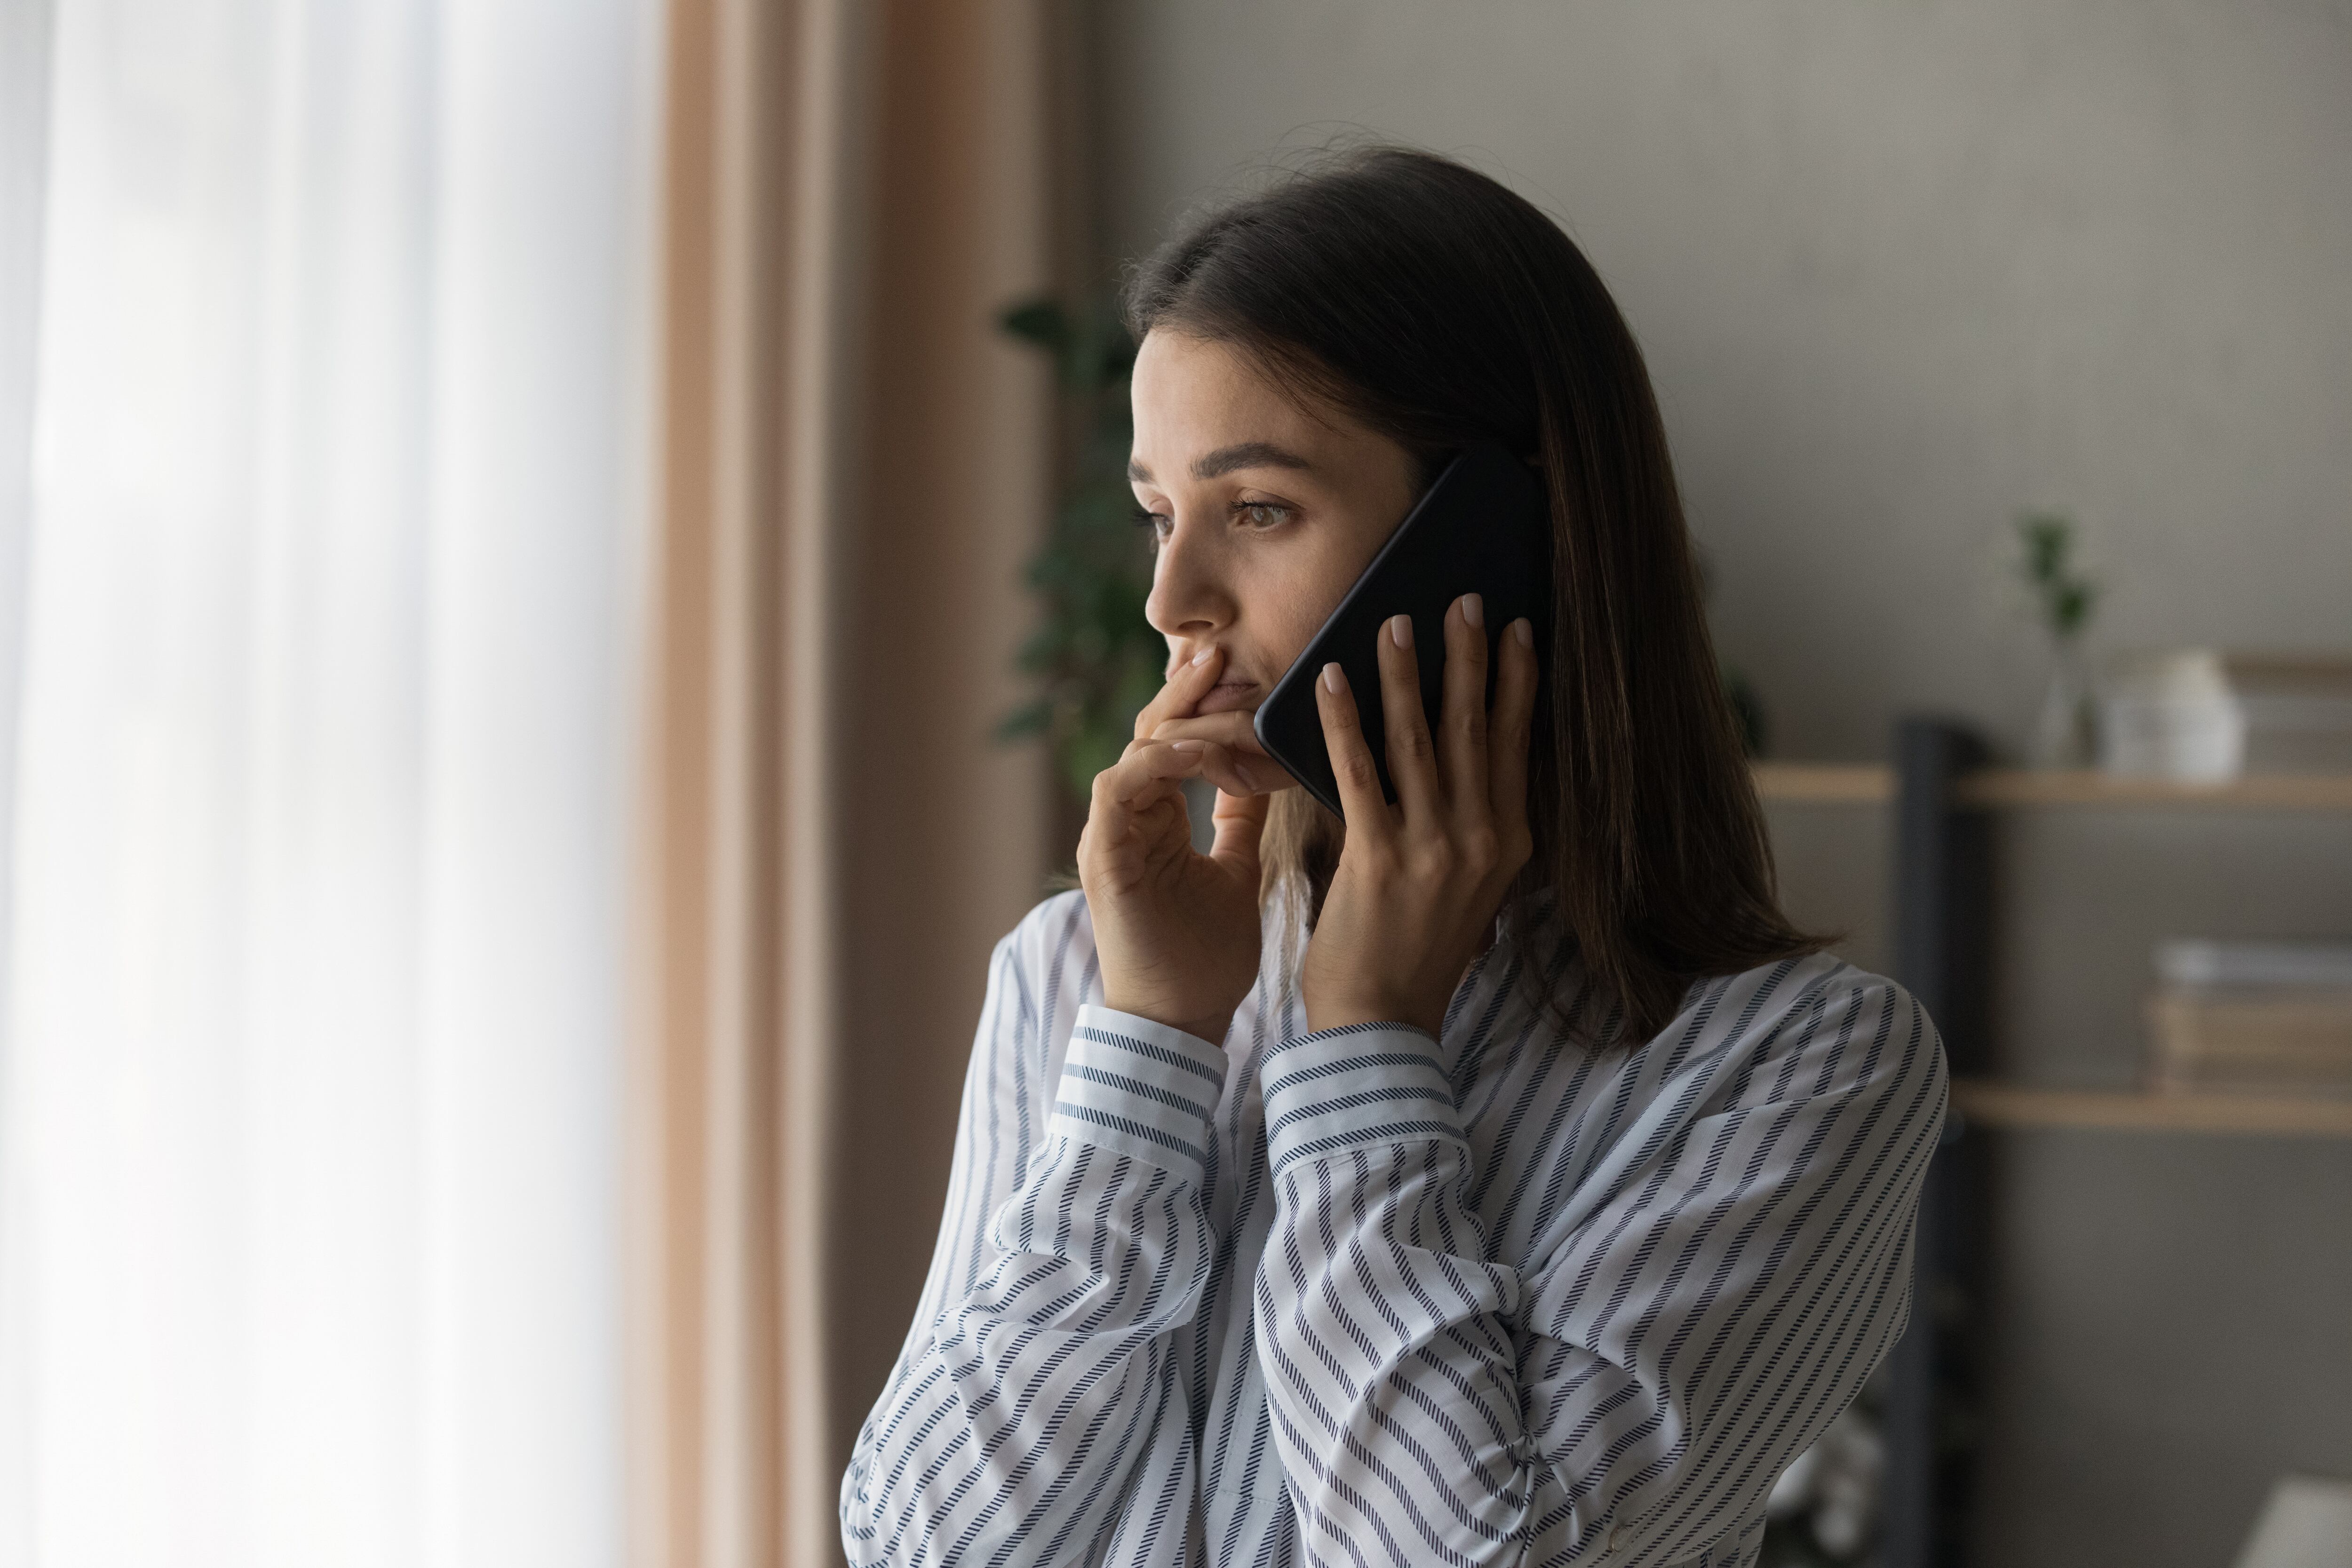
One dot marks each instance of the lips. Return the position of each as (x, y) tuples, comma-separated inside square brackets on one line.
[(1226, 696)]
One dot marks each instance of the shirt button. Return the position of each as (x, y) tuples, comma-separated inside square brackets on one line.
[(1616, 1537)]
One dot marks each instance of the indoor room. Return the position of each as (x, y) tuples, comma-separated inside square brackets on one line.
[(811, 784)]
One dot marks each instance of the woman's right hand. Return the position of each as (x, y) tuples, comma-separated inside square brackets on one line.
[(1176, 931)]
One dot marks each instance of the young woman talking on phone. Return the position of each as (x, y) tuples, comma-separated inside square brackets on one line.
[(1490, 1176)]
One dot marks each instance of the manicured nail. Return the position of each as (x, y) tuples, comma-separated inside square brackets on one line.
[(1334, 682), (1524, 630), (1202, 657), (1474, 609), (1187, 745), (1400, 630)]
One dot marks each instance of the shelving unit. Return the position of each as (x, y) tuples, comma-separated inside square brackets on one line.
[(1943, 797), (1992, 1103)]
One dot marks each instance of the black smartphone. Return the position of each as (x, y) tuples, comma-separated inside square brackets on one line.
[(1482, 528)]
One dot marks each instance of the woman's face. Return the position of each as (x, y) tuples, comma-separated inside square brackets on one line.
[(1264, 510)]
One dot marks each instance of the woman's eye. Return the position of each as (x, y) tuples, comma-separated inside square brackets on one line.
[(1261, 513), (1154, 523)]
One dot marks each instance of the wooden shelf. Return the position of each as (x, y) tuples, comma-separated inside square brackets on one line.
[(2257, 791), (1868, 783), (1995, 1104), (1825, 784)]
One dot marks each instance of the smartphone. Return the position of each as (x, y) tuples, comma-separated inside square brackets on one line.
[(1482, 528)]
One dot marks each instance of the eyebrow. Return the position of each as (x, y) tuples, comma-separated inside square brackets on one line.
[(1227, 459)]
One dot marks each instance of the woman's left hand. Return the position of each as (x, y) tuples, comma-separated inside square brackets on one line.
[(1419, 882)]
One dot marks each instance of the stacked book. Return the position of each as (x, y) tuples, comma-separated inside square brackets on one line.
[(2298, 711), (2251, 1017)]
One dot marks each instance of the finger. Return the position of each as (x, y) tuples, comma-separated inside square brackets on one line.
[(1412, 762), (1149, 765), (1221, 767), (1145, 775), (1228, 729), (1463, 748), (1510, 730), (1240, 822), (1187, 684), (1233, 732), (1361, 800)]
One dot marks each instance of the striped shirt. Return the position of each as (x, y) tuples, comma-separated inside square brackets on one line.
[(1362, 1298)]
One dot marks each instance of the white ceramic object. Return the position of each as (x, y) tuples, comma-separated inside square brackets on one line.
[(2172, 716)]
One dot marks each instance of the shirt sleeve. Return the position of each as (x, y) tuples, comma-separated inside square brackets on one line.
[(1722, 1284), (1039, 1366)]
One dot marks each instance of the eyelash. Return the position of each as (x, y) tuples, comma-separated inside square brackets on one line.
[(1150, 521)]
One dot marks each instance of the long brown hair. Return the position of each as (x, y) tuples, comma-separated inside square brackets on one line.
[(1439, 308)]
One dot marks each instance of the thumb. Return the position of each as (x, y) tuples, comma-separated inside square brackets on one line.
[(1240, 822)]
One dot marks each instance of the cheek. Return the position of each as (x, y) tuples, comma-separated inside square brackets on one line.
[(1290, 607)]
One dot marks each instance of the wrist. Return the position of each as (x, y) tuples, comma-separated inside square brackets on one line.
[(1348, 1012), (1211, 1028)]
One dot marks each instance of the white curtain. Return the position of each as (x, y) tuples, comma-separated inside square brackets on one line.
[(316, 843)]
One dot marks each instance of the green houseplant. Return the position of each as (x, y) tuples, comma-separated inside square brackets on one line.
[(1096, 660)]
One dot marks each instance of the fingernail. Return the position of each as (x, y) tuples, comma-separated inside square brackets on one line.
[(1334, 682), (1524, 629), (1400, 630), (1186, 745), (1474, 609), (1202, 657)]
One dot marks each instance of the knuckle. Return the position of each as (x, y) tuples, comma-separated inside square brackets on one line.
[(1358, 770), (1412, 741), (1482, 848)]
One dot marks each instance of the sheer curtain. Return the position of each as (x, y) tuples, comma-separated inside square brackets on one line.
[(318, 827)]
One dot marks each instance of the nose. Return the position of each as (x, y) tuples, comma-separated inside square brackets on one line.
[(1191, 596)]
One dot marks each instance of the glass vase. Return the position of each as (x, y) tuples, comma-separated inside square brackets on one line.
[(2062, 732)]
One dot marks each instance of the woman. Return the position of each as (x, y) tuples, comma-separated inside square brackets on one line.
[(1496, 1176)]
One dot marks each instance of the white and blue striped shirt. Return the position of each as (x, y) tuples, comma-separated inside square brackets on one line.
[(1366, 1299)]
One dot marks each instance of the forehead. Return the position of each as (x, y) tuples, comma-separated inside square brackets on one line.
[(1191, 395)]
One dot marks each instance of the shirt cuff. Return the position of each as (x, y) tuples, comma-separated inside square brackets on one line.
[(1362, 1086), (1142, 1089)]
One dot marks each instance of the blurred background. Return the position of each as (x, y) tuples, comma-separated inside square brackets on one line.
[(559, 564)]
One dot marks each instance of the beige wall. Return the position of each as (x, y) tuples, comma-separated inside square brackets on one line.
[(1902, 270)]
